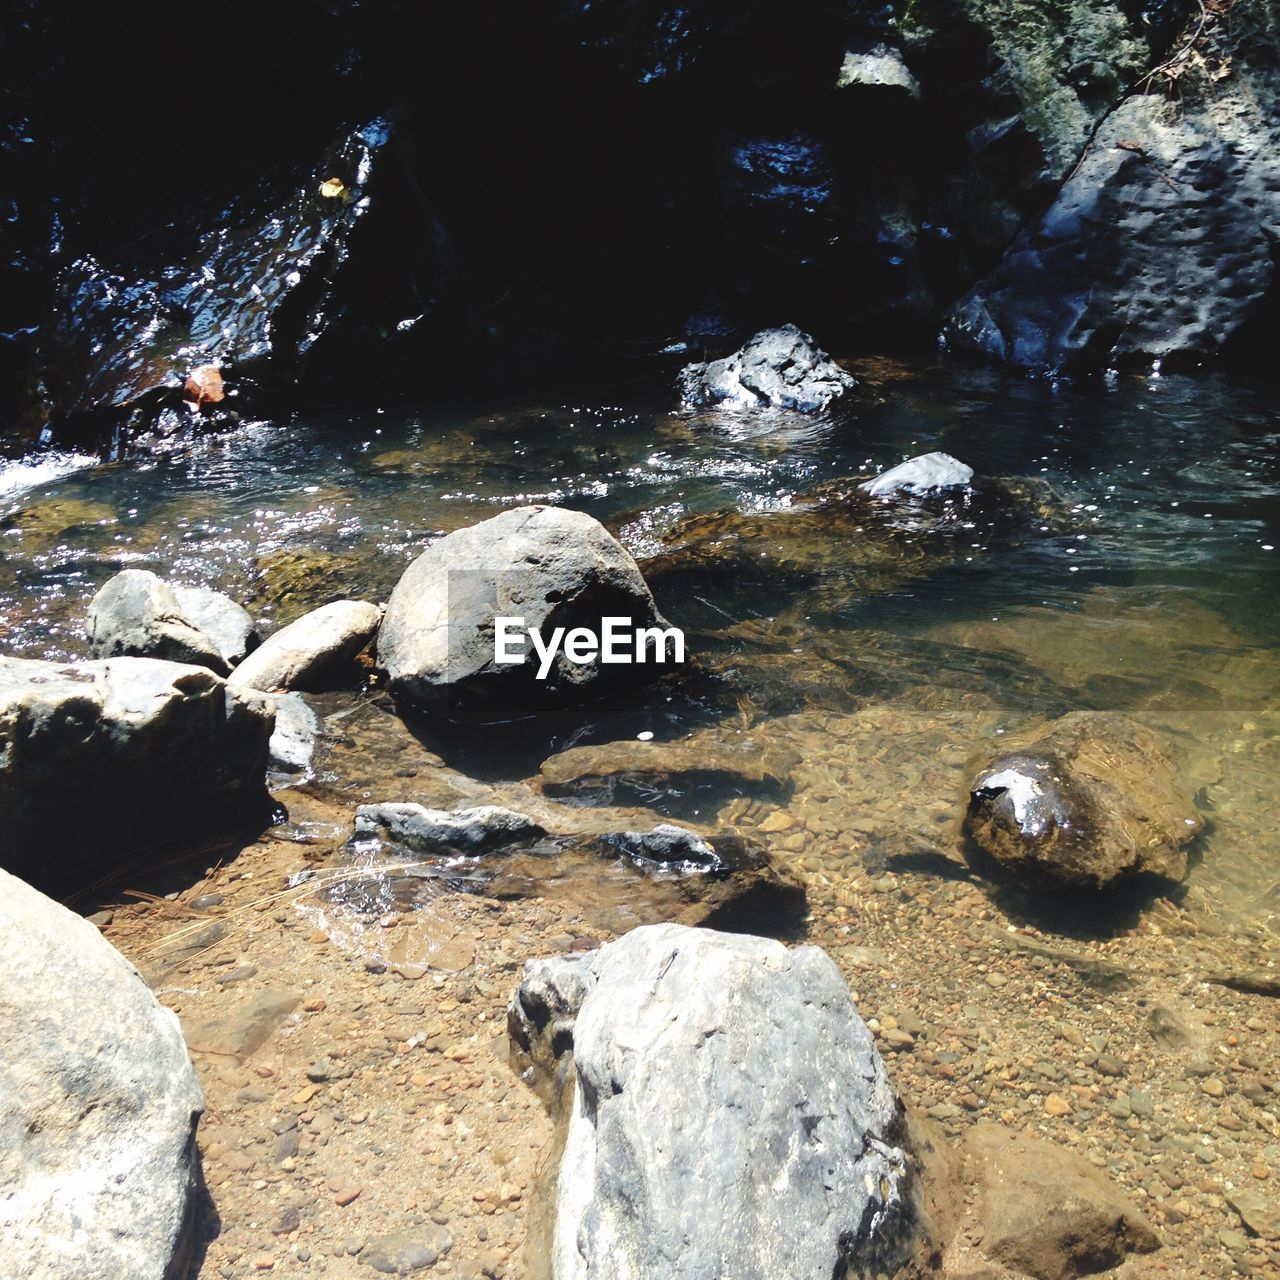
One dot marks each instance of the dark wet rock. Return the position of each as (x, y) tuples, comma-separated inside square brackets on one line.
[(424, 830), (317, 649), (687, 773), (1052, 72), (294, 739), (747, 1127), (225, 622), (776, 369), (617, 878), (927, 473), (1095, 800), (1161, 242), (269, 289), (403, 1252), (136, 614), (1045, 1211), (98, 1105), (669, 846), (150, 750), (551, 567)]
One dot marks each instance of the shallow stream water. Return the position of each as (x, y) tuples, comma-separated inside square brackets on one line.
[(1149, 589)]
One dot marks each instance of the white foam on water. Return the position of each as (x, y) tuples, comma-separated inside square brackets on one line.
[(22, 474)]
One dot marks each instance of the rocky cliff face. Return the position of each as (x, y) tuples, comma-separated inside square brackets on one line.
[(510, 191)]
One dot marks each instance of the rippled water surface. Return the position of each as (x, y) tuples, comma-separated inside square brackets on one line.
[(1144, 583)]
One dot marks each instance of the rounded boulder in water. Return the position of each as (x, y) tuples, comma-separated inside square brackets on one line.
[(545, 566)]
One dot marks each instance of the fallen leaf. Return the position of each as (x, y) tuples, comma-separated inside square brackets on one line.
[(204, 385), (333, 188)]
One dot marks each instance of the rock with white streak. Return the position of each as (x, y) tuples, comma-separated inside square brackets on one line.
[(927, 473), (730, 1115)]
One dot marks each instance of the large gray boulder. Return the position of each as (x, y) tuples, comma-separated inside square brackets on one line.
[(98, 1106), (147, 750), (551, 567), (1160, 243), (1093, 800), (730, 1114), (137, 614), (319, 647), (776, 369)]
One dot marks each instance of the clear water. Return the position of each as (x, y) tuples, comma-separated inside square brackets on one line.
[(1153, 594)]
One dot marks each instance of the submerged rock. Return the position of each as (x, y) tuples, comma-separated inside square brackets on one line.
[(927, 473), (1095, 800), (98, 1105), (136, 614), (1046, 1212), (426, 830), (549, 567), (776, 369), (319, 647), (148, 749), (692, 771), (730, 1114)]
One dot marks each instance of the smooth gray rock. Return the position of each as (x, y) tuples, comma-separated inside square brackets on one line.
[(440, 830), (104, 758), (926, 473), (549, 566), (225, 622), (98, 1105), (776, 369), (293, 741), (730, 1114), (137, 614), (319, 647)]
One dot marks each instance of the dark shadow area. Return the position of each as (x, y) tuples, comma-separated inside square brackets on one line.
[(206, 1226)]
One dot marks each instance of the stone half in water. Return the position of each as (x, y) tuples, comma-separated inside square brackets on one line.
[(1093, 800), (927, 473), (775, 369)]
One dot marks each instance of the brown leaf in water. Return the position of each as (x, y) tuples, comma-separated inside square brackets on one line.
[(204, 385)]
